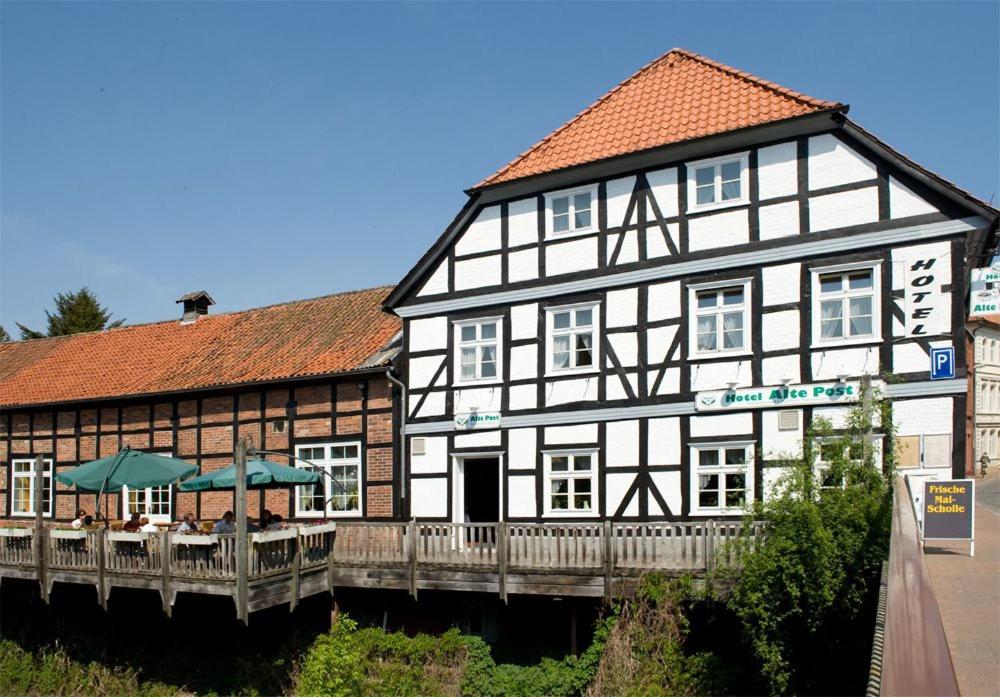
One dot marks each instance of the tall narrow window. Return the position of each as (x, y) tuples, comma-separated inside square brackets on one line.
[(846, 305), (572, 338), (572, 212), (23, 488), (338, 492), (720, 318), (478, 346), (570, 482), (723, 481)]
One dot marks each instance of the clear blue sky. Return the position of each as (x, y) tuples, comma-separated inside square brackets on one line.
[(268, 152)]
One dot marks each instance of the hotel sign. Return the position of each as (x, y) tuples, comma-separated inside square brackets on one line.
[(809, 394), (476, 420), (984, 295)]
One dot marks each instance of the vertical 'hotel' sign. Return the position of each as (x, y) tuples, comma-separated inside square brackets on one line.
[(923, 293)]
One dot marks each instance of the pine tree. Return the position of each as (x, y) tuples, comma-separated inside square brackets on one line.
[(4, 336), (75, 313)]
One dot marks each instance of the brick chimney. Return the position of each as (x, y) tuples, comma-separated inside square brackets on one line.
[(195, 304)]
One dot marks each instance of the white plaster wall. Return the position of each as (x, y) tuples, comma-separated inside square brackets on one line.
[(781, 284), (435, 458), (617, 485), (622, 443), (521, 448), (482, 235), (429, 497), (719, 230), (566, 391), (779, 220), (663, 185), (777, 170), (428, 333), (478, 439), (717, 375), (777, 368), (522, 222), (658, 341), (832, 163), (858, 360), (478, 272), (523, 397), (522, 265), (432, 406), (626, 347), (563, 435), (837, 416), (523, 362), (903, 202), (664, 301), (729, 424), (910, 358), (930, 415), (421, 371), (478, 398), (772, 479), (521, 497), (843, 209), (615, 388), (780, 330), (670, 384), (621, 307), (619, 191), (524, 321), (567, 257), (630, 247), (669, 486), (664, 441), (778, 444), (656, 245), (437, 282)]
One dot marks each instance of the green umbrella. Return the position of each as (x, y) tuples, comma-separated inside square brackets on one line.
[(132, 468), (261, 474)]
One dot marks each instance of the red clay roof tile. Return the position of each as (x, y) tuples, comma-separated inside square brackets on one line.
[(331, 334), (679, 96)]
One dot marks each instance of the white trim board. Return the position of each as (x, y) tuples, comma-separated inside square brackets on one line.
[(802, 250), (556, 418)]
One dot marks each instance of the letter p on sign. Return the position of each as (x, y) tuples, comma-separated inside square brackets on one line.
[(943, 363)]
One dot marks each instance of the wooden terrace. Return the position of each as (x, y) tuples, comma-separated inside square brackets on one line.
[(600, 559)]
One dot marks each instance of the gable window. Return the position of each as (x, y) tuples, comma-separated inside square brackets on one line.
[(23, 487), (718, 182), (338, 492), (723, 481), (572, 338), (572, 212), (152, 502), (720, 320), (478, 350), (570, 482), (846, 304)]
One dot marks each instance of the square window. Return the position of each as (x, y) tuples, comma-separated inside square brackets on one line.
[(724, 479), (571, 212), (477, 346), (571, 484), (571, 339), (845, 306), (720, 319), (718, 183)]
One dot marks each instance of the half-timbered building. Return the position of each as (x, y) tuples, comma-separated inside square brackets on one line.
[(643, 314)]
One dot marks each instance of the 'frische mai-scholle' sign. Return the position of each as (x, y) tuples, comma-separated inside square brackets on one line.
[(780, 396)]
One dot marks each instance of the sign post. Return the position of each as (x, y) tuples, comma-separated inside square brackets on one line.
[(950, 511)]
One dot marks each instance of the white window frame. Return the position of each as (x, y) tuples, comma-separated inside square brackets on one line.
[(693, 313), (722, 469), (459, 345), (551, 332), (876, 292), (820, 466), (49, 474), (716, 164), (328, 463), (550, 197), (573, 476), (146, 495)]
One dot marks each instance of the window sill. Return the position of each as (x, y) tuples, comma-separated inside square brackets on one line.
[(570, 234), (720, 511), (867, 341), (710, 207), (571, 372), (477, 383), (718, 356), (570, 514)]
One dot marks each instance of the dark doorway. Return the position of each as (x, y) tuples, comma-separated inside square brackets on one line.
[(481, 492)]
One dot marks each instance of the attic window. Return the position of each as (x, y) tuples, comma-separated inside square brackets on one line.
[(571, 212), (718, 183)]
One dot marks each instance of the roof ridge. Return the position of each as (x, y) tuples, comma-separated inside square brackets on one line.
[(153, 323)]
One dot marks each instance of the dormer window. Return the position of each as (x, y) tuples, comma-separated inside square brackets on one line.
[(717, 183), (572, 212)]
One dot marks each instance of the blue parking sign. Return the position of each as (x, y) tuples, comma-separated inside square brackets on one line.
[(943, 363)]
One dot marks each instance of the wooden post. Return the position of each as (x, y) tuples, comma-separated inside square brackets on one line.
[(709, 545), (165, 564), (609, 562), (40, 546), (572, 627), (502, 559), (411, 554), (296, 570), (242, 541), (102, 562), (330, 561)]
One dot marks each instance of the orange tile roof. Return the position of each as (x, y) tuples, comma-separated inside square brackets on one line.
[(679, 96), (331, 334)]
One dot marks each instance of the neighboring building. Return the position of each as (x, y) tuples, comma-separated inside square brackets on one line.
[(305, 377), (984, 384), (599, 331)]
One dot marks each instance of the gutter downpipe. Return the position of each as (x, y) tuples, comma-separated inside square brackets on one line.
[(402, 432), (975, 398)]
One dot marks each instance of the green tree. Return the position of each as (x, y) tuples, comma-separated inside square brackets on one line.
[(4, 336), (75, 312)]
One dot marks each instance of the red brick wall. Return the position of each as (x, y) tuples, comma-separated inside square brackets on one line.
[(204, 432)]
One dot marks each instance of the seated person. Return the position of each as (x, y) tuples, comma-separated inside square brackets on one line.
[(146, 526), (251, 527), (276, 523), (78, 521), (265, 519), (132, 524), (88, 520), (188, 523), (226, 526)]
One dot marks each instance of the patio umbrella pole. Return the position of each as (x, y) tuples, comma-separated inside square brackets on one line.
[(111, 471), (242, 543)]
